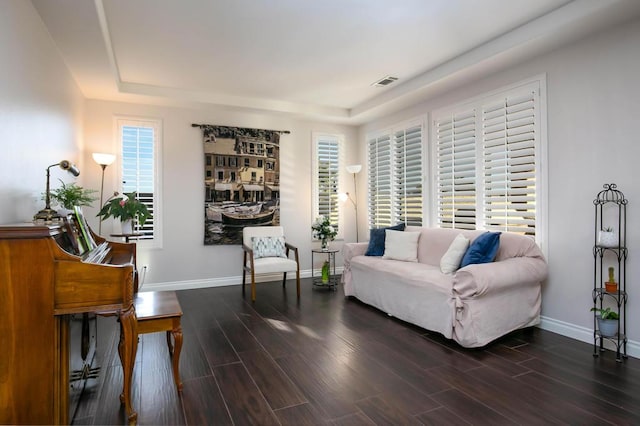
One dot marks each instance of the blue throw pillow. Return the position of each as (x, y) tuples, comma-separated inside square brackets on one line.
[(482, 250), (377, 239)]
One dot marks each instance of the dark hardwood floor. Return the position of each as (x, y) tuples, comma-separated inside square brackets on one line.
[(331, 360)]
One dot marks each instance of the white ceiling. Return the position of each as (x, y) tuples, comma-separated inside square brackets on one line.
[(311, 58)]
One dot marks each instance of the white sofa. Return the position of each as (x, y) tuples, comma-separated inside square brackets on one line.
[(475, 305)]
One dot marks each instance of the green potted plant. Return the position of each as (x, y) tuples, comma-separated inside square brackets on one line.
[(607, 321), (70, 195), (611, 286), (127, 209)]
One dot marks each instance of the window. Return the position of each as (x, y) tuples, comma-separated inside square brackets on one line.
[(488, 162), (140, 144), (259, 163), (395, 177), (327, 167), (247, 163)]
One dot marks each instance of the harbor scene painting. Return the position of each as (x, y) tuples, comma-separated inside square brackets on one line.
[(241, 179)]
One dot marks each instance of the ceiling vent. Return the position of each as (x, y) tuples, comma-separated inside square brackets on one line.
[(384, 81)]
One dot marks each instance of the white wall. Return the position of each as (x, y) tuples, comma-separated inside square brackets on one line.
[(40, 112), (184, 260), (593, 111)]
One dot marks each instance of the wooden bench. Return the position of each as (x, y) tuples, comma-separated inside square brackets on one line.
[(160, 311)]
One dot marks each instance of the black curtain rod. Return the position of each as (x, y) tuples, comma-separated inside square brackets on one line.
[(286, 132)]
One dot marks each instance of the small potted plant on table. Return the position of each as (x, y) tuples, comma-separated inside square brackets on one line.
[(70, 195)]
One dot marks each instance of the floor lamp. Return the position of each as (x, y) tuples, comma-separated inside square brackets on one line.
[(354, 169), (103, 160)]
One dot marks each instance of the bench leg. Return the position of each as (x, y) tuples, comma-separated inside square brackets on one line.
[(175, 350)]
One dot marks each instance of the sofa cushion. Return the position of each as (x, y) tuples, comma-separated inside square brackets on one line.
[(451, 260), (377, 238), (401, 245), (482, 250)]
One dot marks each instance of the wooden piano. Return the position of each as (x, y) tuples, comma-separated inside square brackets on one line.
[(43, 280)]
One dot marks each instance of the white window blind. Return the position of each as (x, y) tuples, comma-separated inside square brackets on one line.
[(407, 194), (328, 178), (396, 177), (509, 168), (379, 176), (455, 169), (487, 160), (139, 140)]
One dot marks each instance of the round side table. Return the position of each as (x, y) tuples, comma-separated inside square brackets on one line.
[(332, 281)]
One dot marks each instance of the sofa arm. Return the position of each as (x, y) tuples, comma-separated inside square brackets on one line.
[(350, 250), (479, 279)]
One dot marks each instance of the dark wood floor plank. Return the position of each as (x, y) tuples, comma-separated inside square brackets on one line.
[(514, 404), (217, 349), (159, 400), (441, 416), (469, 409), (300, 415), (544, 406), (381, 412), (405, 369), (601, 395), (274, 384), (238, 335), (244, 400), (357, 419), (203, 404), (193, 362)]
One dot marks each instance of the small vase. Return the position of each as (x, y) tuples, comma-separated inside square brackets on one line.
[(127, 226), (607, 239), (325, 273), (324, 244)]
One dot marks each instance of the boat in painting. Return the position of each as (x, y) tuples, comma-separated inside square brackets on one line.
[(247, 218)]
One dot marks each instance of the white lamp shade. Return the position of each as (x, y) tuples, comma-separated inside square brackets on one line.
[(103, 159), (354, 168)]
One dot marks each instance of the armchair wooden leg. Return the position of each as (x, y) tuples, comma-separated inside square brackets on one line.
[(244, 279), (284, 280), (253, 287), (298, 281)]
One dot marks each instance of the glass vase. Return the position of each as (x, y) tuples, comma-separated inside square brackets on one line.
[(324, 243)]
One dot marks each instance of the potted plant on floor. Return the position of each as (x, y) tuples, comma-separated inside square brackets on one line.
[(607, 321), (70, 195)]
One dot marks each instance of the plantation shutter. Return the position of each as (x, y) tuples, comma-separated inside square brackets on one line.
[(456, 170), (138, 145), (380, 171), (509, 163), (407, 204), (327, 151)]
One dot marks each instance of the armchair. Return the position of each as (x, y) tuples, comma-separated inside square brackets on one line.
[(266, 252)]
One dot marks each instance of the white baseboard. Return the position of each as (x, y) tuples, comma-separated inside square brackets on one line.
[(224, 281), (582, 334)]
